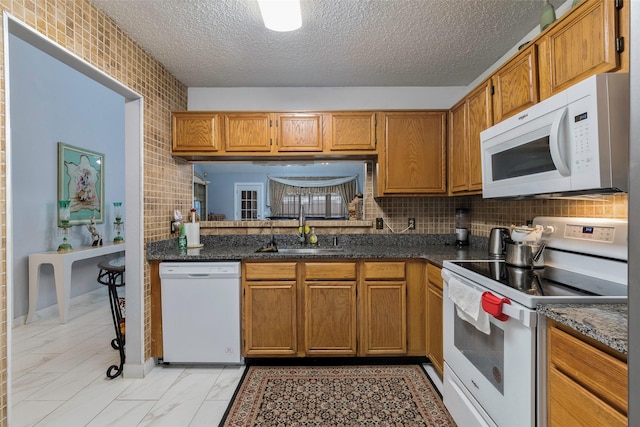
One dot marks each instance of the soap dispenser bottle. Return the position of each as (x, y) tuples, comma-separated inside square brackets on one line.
[(313, 237)]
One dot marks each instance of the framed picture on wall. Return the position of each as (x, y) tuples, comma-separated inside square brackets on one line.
[(81, 181)]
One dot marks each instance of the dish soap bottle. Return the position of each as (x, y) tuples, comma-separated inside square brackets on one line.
[(313, 237)]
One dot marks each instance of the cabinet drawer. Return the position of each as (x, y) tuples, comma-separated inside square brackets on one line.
[(571, 405), (330, 270), (383, 270), (270, 271), (434, 275), (602, 374)]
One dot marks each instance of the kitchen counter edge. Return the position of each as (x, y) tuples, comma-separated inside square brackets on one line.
[(605, 323)]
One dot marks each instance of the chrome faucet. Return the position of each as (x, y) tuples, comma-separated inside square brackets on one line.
[(302, 235)]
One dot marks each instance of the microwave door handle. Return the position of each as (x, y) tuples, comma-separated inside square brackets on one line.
[(555, 143)]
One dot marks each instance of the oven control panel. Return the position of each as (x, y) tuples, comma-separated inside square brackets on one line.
[(602, 237), (590, 232)]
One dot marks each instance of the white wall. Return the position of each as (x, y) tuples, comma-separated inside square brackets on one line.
[(323, 98), (50, 102)]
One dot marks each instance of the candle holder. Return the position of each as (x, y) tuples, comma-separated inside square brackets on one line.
[(64, 214), (118, 223)]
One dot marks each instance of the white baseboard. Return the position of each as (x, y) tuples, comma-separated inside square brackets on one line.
[(138, 371)]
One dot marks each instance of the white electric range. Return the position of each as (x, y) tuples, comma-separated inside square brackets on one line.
[(494, 363)]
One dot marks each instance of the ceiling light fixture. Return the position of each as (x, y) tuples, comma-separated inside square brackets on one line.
[(281, 15)]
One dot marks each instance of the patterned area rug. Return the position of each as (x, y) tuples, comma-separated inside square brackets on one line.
[(370, 395)]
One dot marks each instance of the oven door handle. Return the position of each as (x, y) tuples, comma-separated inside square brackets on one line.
[(526, 317), (517, 312)]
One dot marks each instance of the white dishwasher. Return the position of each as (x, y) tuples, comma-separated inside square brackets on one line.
[(201, 312)]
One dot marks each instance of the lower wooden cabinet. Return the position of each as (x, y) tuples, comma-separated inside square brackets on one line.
[(384, 309), (333, 308), (587, 382), (330, 308), (269, 309), (435, 343)]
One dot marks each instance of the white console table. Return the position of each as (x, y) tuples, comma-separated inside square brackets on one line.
[(61, 262)]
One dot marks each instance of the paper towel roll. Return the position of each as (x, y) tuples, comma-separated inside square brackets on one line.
[(192, 230)]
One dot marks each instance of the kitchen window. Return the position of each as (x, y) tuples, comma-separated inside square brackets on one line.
[(320, 197)]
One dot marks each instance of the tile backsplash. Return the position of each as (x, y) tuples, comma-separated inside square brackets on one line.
[(436, 214)]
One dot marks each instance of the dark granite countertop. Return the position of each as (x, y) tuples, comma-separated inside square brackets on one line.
[(434, 248), (605, 323)]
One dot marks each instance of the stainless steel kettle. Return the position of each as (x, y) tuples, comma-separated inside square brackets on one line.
[(498, 241)]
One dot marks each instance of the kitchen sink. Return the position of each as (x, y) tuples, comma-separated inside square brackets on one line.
[(311, 251)]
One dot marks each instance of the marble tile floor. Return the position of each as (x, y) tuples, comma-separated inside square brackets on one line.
[(59, 377)]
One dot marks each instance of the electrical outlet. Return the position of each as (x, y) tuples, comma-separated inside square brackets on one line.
[(412, 224), (379, 224)]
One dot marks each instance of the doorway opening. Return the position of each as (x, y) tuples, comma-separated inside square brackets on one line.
[(133, 196)]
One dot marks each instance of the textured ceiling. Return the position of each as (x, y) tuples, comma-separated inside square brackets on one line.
[(223, 43)]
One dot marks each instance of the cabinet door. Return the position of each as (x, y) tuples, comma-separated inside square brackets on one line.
[(269, 318), (435, 334), (247, 132), (330, 318), (385, 318), (458, 148), (299, 132), (582, 45), (516, 85), (414, 153), (195, 132), (383, 308), (587, 382), (353, 131), (479, 117)]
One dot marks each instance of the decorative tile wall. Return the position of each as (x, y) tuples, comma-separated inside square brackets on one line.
[(436, 214)]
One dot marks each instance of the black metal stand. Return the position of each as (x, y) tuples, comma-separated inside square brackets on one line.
[(112, 274)]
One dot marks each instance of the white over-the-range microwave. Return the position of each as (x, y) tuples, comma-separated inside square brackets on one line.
[(573, 143)]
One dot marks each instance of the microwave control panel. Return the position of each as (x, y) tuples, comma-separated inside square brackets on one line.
[(582, 154)]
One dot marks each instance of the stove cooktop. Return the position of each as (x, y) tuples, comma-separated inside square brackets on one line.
[(526, 286), (585, 261)]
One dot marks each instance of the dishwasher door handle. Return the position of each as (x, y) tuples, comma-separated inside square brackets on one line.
[(199, 276)]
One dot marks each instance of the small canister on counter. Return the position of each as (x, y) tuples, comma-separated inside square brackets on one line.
[(182, 240)]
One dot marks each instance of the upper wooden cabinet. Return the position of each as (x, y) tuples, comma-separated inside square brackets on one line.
[(467, 119), (458, 147), (516, 84), (247, 132), (298, 132), (582, 44), (198, 135), (196, 132), (412, 160), (352, 131)]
